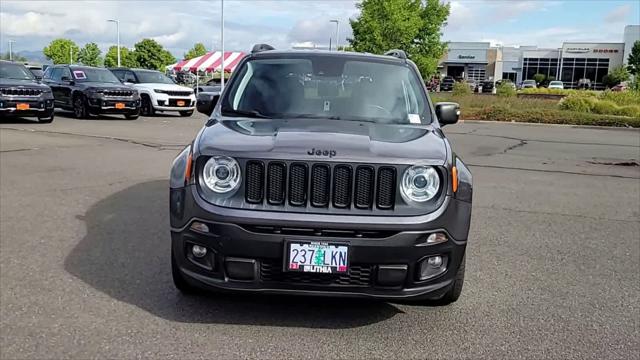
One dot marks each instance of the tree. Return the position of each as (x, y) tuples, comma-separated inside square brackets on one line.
[(90, 55), (616, 76), (633, 60), (60, 51), (539, 78), (414, 26), (126, 58), (151, 55), (197, 50), (14, 57)]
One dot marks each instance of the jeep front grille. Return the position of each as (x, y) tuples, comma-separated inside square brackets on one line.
[(118, 93), (20, 92), (320, 185)]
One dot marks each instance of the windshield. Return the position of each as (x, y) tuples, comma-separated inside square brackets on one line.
[(529, 82), (145, 77), (14, 71), (328, 87), (94, 75), (37, 72), (555, 83)]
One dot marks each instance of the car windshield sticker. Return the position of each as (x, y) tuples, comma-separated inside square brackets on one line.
[(414, 118), (79, 74), (327, 106)]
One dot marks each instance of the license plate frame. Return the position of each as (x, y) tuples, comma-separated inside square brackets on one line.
[(341, 265), (181, 103), (22, 106), (119, 105)]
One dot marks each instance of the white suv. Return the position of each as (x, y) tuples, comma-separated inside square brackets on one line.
[(157, 91)]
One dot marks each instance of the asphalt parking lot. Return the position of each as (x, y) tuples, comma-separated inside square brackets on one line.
[(553, 264)]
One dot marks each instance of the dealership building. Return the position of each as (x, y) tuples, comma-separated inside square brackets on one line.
[(570, 63)]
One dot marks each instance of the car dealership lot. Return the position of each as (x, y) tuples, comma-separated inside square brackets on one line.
[(553, 257)]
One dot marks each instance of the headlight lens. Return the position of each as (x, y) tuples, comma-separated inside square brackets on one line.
[(420, 184), (221, 174)]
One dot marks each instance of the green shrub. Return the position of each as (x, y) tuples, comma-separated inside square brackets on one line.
[(460, 88), (629, 97), (577, 103), (505, 90), (604, 107), (558, 91), (629, 110)]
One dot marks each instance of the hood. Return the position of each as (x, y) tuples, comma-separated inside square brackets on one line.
[(107, 86), (324, 140), (21, 83), (168, 87)]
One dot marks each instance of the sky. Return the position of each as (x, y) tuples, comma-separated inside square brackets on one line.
[(285, 23)]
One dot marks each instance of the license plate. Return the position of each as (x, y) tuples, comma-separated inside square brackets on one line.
[(22, 106), (119, 105), (180, 103), (318, 257)]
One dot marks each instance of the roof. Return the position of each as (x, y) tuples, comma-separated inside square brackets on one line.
[(351, 54)]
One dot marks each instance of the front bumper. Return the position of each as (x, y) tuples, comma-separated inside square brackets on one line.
[(257, 248), (101, 105), (41, 107), (163, 102)]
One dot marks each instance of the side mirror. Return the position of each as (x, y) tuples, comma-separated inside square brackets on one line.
[(447, 113), (206, 102)]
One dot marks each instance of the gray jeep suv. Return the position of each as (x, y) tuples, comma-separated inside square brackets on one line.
[(322, 173)]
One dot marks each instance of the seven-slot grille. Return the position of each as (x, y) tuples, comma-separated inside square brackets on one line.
[(118, 93), (320, 185), (20, 92), (177, 93)]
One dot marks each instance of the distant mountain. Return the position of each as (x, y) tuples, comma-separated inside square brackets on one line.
[(35, 56)]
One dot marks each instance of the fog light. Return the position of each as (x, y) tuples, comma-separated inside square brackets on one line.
[(432, 267), (200, 227), (436, 238), (199, 251), (435, 261)]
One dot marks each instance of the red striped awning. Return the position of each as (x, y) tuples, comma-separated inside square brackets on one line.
[(210, 62)]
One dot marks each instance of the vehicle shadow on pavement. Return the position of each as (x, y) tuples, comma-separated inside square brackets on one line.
[(126, 255)]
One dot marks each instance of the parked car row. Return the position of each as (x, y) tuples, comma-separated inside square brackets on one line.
[(85, 90)]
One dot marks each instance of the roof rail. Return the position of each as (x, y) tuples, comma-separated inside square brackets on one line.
[(400, 54), (261, 47)]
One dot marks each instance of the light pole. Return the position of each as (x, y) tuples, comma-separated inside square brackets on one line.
[(118, 31), (10, 49), (222, 45), (337, 33)]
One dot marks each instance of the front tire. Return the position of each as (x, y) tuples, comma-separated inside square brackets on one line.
[(146, 108), (46, 119), (454, 292), (178, 280), (186, 113), (80, 108)]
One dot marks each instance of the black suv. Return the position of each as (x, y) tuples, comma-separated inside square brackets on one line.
[(447, 84), (300, 185), (89, 90), (21, 95)]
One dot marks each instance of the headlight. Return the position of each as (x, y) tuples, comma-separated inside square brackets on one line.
[(419, 184), (221, 174), (159, 91)]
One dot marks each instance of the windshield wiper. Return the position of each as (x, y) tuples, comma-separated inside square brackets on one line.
[(246, 113), (312, 116)]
